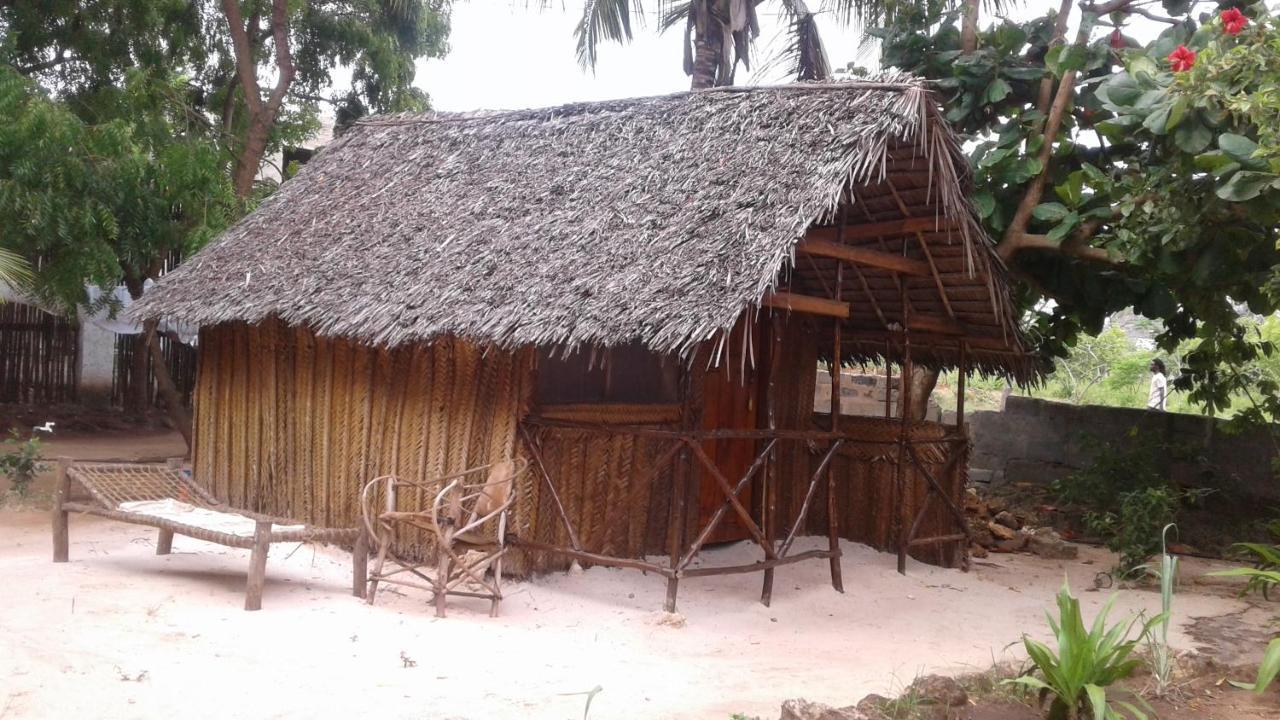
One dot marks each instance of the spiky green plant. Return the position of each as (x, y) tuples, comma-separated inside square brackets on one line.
[(1158, 642), (1262, 580), (1074, 679)]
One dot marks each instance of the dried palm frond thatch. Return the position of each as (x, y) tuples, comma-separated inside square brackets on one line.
[(659, 220)]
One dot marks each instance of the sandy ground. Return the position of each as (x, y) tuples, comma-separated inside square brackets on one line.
[(121, 633)]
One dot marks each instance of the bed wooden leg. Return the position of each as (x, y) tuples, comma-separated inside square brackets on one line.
[(164, 543), (360, 565), (258, 565), (62, 491)]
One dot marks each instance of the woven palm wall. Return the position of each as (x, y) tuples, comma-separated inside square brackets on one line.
[(294, 424)]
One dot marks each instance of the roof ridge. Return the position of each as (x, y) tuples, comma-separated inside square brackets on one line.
[(581, 106)]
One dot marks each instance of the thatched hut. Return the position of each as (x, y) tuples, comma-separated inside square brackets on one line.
[(632, 294)]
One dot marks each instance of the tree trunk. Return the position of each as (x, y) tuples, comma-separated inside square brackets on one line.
[(708, 49), (922, 381), (969, 27), (164, 383), (136, 396), (250, 157)]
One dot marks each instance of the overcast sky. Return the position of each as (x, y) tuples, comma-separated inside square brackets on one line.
[(505, 55)]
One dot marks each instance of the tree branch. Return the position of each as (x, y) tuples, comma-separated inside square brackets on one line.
[(61, 59), (246, 66), (284, 59)]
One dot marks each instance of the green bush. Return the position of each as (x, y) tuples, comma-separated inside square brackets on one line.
[(1124, 497), (1074, 679), (22, 463)]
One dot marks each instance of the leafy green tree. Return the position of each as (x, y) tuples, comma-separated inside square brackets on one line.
[(256, 69), (1106, 169), (110, 201)]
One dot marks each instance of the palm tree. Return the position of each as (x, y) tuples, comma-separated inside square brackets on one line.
[(719, 33), (15, 272)]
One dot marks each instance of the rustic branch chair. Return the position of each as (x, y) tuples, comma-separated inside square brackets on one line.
[(164, 497), (466, 522)]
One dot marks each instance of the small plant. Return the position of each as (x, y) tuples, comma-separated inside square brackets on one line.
[(1133, 530), (21, 463), (1263, 580), (1074, 679), (1264, 557), (1161, 654)]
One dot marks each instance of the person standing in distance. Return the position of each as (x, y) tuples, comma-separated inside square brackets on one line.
[(1159, 393)]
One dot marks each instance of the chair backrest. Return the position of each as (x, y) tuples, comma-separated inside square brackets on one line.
[(497, 487)]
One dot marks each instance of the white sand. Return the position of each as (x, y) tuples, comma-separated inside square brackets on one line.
[(75, 638)]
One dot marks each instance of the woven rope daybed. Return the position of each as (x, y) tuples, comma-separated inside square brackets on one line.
[(164, 497)]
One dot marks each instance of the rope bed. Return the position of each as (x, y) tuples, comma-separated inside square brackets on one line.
[(165, 497)]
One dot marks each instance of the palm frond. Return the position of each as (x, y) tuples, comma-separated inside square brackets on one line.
[(604, 20), (872, 13), (15, 271)]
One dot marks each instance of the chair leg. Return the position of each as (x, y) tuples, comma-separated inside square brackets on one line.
[(384, 546), (442, 580), (258, 565), (164, 543), (497, 586), (360, 565)]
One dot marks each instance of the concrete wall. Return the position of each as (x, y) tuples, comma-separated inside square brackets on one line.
[(96, 365), (1038, 441)]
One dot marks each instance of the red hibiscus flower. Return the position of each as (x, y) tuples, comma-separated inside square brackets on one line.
[(1182, 59), (1233, 21)]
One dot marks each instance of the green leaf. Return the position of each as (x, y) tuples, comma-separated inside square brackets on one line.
[(1192, 136), (1071, 191), (1097, 701), (1158, 121), (997, 91), (1050, 211), (984, 203), (1269, 668), (1176, 112), (1023, 73), (1062, 229), (1142, 68), (1245, 185), (1241, 149)]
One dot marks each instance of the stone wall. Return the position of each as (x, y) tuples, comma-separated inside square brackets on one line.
[(1038, 441), (862, 394)]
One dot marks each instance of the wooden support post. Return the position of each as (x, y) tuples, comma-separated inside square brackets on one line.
[(258, 565), (61, 494), (675, 529), (888, 383), (164, 542), (905, 424), (963, 373), (360, 564), (833, 512), (769, 503)]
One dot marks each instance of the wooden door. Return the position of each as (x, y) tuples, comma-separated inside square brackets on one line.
[(730, 401)]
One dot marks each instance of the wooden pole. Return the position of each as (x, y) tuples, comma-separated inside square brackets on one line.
[(769, 504), (62, 493), (904, 412), (258, 565), (888, 382), (675, 529), (833, 514), (164, 542), (963, 372)]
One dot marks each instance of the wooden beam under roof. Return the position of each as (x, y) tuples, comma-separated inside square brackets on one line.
[(886, 228), (821, 247), (806, 304)]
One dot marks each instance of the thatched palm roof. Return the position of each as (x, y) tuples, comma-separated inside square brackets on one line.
[(659, 220)]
